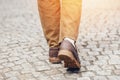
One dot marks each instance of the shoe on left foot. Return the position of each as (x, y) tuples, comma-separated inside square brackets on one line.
[(53, 55)]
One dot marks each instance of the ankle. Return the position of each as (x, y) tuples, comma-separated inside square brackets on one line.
[(71, 41)]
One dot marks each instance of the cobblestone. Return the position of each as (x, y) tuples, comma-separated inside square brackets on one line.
[(42, 68), (20, 61), (117, 66), (116, 52), (100, 78), (84, 78), (113, 77), (100, 62), (58, 77), (93, 68), (13, 58), (8, 64), (52, 72), (101, 57), (93, 53), (26, 77), (117, 72), (72, 76), (24, 51), (104, 72), (18, 67), (12, 78), (85, 74), (107, 67), (3, 60), (114, 61), (11, 74)]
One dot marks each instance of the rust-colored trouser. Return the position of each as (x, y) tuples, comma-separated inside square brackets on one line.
[(60, 19)]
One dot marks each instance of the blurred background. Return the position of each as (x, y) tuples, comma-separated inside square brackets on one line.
[(103, 4), (24, 51), (113, 4)]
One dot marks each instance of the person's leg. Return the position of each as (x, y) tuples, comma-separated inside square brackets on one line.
[(49, 11), (69, 28), (70, 19)]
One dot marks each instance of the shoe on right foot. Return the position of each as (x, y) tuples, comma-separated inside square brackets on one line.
[(68, 53)]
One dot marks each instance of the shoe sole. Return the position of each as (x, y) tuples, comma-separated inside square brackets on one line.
[(54, 60), (68, 58)]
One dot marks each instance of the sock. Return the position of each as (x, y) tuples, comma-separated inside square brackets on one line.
[(71, 41)]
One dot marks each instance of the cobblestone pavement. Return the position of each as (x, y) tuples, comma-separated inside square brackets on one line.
[(24, 52)]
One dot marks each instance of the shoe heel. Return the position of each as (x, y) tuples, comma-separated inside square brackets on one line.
[(68, 58), (63, 53)]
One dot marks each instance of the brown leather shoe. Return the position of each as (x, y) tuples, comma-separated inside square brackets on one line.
[(68, 53), (53, 55)]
